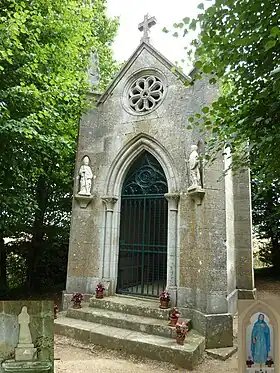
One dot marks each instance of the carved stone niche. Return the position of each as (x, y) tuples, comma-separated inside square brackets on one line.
[(197, 194)]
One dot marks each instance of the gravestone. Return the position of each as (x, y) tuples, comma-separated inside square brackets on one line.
[(25, 350), (26, 336)]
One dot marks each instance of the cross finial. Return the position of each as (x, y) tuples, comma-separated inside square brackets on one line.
[(145, 27)]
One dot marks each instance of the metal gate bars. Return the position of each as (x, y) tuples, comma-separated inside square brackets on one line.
[(143, 245), (143, 229)]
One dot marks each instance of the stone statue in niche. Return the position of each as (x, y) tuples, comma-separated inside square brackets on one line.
[(195, 165), (85, 177)]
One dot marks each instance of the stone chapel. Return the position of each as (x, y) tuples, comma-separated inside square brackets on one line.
[(140, 224)]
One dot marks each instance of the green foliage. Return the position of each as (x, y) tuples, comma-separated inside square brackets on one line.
[(239, 42), (44, 55), (16, 270), (266, 217), (239, 47)]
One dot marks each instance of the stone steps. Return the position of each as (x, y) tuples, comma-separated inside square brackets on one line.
[(141, 344), (137, 323), (132, 306)]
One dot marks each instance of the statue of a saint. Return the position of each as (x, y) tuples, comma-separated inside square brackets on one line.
[(25, 350), (260, 341), (24, 331), (194, 164), (85, 177)]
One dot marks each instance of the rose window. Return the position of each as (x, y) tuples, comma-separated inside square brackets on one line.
[(145, 94)]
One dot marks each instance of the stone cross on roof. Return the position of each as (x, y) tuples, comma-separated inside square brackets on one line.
[(145, 27)]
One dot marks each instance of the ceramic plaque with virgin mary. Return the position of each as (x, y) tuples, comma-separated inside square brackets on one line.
[(260, 347)]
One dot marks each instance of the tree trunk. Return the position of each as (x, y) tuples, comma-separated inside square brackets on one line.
[(3, 263), (275, 251), (38, 232)]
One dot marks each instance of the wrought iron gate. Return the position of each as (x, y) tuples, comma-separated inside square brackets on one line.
[(143, 229)]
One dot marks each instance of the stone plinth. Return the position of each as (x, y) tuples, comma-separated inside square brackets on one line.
[(83, 200), (196, 194), (25, 353), (13, 366)]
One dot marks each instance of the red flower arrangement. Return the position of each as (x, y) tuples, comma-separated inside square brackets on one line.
[(249, 362), (55, 311), (173, 316), (269, 362), (99, 287), (164, 295), (77, 299), (99, 290), (181, 330), (164, 298)]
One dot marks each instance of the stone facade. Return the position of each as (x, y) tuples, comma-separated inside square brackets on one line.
[(209, 253)]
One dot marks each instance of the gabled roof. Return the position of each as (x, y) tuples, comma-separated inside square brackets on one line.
[(148, 47)]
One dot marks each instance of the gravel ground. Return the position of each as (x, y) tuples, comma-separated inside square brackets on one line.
[(73, 356)]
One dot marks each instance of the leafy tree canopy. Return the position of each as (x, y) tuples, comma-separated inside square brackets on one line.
[(238, 50), (239, 44), (44, 55)]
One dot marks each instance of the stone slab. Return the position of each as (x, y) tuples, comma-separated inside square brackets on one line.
[(126, 321), (141, 344), (221, 353), (12, 366), (132, 306)]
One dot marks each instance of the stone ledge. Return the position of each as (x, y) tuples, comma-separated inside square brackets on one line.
[(137, 343), (196, 194), (26, 366), (125, 321), (132, 306), (83, 200), (221, 353)]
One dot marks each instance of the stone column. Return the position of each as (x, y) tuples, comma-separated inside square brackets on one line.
[(107, 248), (243, 235), (172, 251)]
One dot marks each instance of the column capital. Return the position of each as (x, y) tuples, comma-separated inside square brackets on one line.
[(109, 202), (173, 199)]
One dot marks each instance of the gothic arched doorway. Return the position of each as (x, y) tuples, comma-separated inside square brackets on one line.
[(143, 229)]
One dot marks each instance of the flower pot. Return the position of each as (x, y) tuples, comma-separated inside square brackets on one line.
[(164, 303), (77, 305), (180, 339), (99, 295), (173, 321)]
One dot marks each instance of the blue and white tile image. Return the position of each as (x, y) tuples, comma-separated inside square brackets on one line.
[(260, 344)]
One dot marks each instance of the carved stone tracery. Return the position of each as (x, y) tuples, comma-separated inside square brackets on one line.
[(145, 93)]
